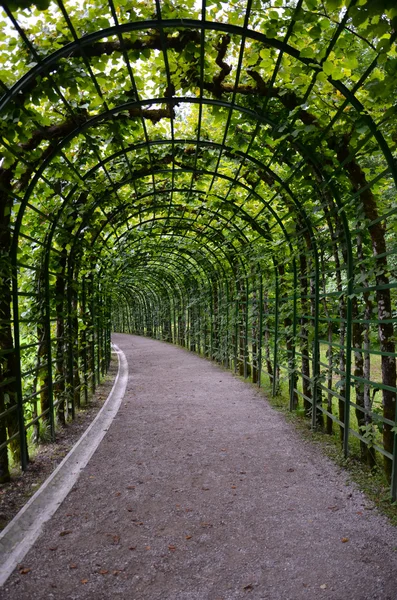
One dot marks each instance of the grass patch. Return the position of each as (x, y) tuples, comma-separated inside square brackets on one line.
[(372, 482)]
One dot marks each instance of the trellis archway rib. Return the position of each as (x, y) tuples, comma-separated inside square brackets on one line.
[(221, 176)]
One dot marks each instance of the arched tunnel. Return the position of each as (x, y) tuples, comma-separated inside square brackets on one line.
[(219, 176)]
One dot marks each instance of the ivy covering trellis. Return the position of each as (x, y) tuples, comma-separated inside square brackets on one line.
[(221, 176)]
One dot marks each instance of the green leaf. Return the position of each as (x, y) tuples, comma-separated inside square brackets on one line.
[(322, 77), (328, 67), (307, 53), (383, 45), (324, 24), (252, 59), (350, 61), (333, 4)]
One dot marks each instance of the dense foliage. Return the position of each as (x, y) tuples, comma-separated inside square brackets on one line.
[(217, 175)]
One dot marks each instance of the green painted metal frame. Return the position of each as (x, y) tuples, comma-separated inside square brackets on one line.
[(99, 304)]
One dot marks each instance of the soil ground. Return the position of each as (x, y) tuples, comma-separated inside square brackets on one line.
[(46, 457), (201, 491)]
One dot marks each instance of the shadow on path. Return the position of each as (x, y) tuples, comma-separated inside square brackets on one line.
[(200, 490)]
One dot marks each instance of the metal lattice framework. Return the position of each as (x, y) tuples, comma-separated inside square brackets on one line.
[(218, 176)]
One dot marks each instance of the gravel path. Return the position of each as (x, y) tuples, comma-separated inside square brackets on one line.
[(201, 491)]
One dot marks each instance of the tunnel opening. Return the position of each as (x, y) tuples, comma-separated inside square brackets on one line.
[(219, 176)]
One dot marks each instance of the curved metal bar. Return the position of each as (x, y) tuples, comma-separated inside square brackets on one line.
[(162, 24)]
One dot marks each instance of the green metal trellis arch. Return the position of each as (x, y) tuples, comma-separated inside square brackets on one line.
[(253, 213)]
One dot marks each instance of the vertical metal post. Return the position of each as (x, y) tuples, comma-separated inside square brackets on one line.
[(85, 358), (236, 335), (260, 330), (293, 347), (349, 326), (99, 330), (393, 489), (211, 326), (93, 361), (275, 347), (101, 325), (70, 378), (108, 331), (178, 323), (174, 337), (227, 362), (246, 313), (316, 357), (199, 328), (47, 328), (18, 382), (187, 320), (97, 335), (220, 338), (104, 328)]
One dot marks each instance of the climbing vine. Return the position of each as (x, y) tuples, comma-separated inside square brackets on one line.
[(216, 175)]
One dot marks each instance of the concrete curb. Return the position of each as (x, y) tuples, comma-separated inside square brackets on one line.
[(21, 533)]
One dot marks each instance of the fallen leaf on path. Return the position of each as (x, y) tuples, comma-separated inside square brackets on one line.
[(205, 489), (130, 487), (65, 532), (188, 537), (291, 470), (25, 571), (147, 547), (234, 487), (344, 540), (206, 524), (116, 572), (118, 494), (248, 587), (53, 548), (84, 581), (132, 548), (103, 572), (130, 509), (172, 547), (72, 566), (323, 586)]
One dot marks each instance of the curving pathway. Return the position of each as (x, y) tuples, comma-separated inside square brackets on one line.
[(200, 491)]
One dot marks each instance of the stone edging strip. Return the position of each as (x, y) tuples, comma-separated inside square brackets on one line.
[(21, 533)]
